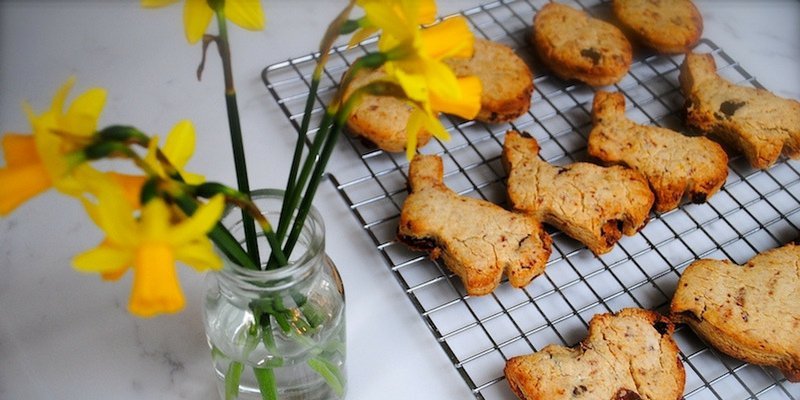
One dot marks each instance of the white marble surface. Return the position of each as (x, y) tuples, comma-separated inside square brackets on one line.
[(66, 335)]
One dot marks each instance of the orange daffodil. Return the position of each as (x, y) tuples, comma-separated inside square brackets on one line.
[(415, 62), (40, 161), (150, 245), (197, 14)]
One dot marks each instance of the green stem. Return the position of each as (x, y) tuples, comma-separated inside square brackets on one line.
[(220, 236), (329, 372), (291, 185), (232, 377), (266, 383), (236, 133), (313, 153), (291, 204), (319, 170)]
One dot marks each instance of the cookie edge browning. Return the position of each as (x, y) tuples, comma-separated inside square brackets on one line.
[(366, 128), (700, 68), (683, 310), (509, 109), (611, 230), (653, 319), (612, 105), (566, 70), (697, 69), (661, 46), (418, 180)]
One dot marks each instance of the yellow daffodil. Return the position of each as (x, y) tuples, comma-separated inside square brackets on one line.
[(415, 62), (178, 149), (197, 15), (150, 245), (380, 13), (39, 161)]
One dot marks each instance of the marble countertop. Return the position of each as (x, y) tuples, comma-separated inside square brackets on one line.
[(67, 335)]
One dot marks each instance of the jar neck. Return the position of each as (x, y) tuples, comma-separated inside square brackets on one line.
[(305, 262)]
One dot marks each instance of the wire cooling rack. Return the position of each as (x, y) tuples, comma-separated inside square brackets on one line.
[(755, 211)]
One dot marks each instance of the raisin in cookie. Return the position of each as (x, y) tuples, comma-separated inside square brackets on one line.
[(629, 355), (590, 203), (667, 26), (673, 164), (506, 79), (749, 312), (476, 239), (576, 46), (753, 121)]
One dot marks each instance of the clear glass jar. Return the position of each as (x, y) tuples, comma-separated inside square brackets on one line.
[(280, 331)]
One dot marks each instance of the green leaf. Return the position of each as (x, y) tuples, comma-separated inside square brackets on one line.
[(266, 383), (232, 378), (329, 372)]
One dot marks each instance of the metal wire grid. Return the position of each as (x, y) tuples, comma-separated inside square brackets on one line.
[(755, 211)]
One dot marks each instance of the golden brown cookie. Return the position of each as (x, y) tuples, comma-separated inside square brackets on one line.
[(667, 26), (476, 239), (592, 204), (576, 46), (627, 356), (507, 88), (506, 79), (750, 312), (381, 120), (752, 121), (672, 163)]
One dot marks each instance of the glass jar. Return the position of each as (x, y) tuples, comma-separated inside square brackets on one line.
[(280, 332)]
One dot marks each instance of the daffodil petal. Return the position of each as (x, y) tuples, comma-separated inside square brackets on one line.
[(57, 106), (413, 85), (151, 158), (415, 123), (131, 187), (427, 11), (192, 178), (200, 223), (155, 220), (180, 142), (385, 16), (361, 35), (450, 38), (156, 288), (19, 150), (103, 259), (114, 216), (441, 81), (435, 127), (199, 255), (74, 182), (245, 13), (466, 105), (81, 118), (114, 275), (196, 18), (19, 184), (157, 3)]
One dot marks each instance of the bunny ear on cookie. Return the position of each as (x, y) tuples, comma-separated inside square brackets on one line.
[(628, 355)]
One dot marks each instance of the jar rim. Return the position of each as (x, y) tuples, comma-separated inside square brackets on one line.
[(314, 225)]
